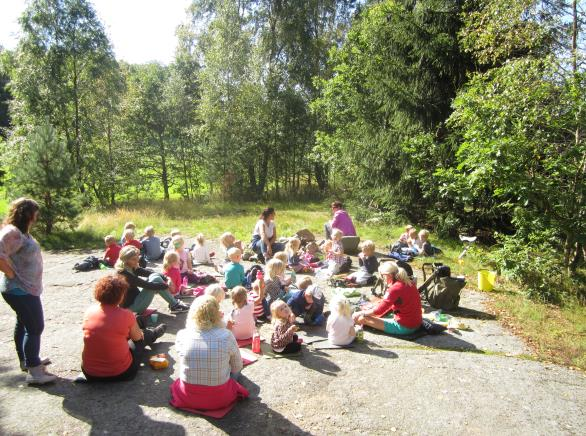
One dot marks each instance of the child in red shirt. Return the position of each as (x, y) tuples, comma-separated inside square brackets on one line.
[(112, 250), (129, 239)]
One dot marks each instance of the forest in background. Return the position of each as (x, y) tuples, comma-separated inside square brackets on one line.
[(463, 116)]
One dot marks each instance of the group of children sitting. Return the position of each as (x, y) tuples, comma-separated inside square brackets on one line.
[(262, 294), (270, 293), (411, 244)]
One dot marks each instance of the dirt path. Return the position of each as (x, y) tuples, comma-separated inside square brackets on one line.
[(478, 382)]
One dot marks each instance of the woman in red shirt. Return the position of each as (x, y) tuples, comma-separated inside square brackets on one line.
[(108, 354), (401, 300)]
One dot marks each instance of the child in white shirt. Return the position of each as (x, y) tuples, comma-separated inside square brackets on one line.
[(340, 326)]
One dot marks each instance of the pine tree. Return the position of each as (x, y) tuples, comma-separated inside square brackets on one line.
[(44, 172)]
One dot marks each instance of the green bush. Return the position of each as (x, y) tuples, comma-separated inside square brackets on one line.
[(536, 266)]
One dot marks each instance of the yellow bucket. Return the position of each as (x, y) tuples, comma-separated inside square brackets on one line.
[(486, 279)]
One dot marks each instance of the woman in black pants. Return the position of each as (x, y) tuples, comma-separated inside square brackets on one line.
[(113, 341)]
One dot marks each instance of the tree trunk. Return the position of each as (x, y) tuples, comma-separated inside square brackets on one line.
[(577, 258), (164, 174)]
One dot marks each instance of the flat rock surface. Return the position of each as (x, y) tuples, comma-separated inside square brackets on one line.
[(470, 382)]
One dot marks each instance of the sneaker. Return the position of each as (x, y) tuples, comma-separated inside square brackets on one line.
[(179, 307), (38, 375), (45, 361), (159, 331)]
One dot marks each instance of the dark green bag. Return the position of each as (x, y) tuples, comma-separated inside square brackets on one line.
[(445, 293)]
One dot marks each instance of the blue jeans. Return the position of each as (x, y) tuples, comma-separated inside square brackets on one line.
[(259, 246), (29, 325)]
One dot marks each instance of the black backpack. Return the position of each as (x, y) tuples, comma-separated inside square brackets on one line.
[(88, 264), (250, 274)]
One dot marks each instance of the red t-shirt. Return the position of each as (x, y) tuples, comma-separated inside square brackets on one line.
[(106, 330), (404, 300), (175, 275), (112, 253), (134, 242)]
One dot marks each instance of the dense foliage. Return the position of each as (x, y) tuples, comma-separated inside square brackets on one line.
[(461, 115)]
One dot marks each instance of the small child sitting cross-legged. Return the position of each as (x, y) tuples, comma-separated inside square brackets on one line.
[(234, 271), (171, 270), (284, 340), (368, 266), (242, 316), (200, 252), (294, 261), (340, 325), (112, 250), (151, 245)]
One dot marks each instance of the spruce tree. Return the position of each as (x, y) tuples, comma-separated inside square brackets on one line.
[(43, 171)]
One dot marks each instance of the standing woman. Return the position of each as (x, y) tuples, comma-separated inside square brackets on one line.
[(21, 285), (264, 236)]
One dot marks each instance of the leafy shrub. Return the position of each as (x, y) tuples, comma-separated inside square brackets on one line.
[(536, 266)]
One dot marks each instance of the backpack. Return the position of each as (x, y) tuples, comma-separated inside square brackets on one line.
[(396, 247), (445, 292), (88, 264), (165, 243), (250, 274), (345, 267), (305, 236)]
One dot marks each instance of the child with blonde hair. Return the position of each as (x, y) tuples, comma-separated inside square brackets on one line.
[(340, 325), (200, 252), (112, 250), (217, 292), (309, 257), (256, 296), (228, 240), (273, 288), (129, 239), (368, 265), (426, 248), (334, 253), (171, 270), (128, 225), (185, 262), (151, 245), (234, 271), (242, 315), (284, 340), (294, 253), (414, 242)]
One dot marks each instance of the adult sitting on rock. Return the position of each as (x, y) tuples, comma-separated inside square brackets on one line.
[(341, 221), (264, 237), (108, 353), (401, 301), (209, 361), (138, 300)]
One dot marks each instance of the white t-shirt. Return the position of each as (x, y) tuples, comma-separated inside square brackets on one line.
[(269, 228), (244, 324), (338, 328), (201, 254)]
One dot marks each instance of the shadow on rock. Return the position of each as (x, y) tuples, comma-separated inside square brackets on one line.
[(253, 417), (443, 341)]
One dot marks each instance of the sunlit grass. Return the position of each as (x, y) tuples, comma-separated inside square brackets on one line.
[(555, 334)]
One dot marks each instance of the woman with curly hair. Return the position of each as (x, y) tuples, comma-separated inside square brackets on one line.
[(209, 361), (112, 340), (21, 285)]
